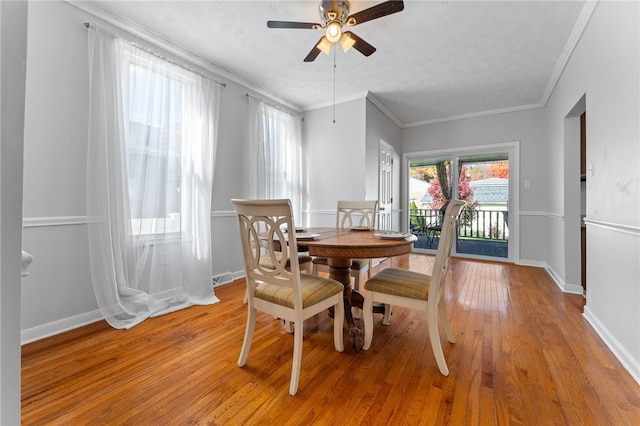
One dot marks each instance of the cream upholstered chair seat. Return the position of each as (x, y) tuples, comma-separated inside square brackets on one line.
[(304, 260), (274, 282), (414, 290), (314, 290), (400, 282)]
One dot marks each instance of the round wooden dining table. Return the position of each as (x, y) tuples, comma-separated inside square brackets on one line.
[(341, 246)]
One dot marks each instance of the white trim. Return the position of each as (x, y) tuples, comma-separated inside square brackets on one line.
[(60, 326), (223, 213), (618, 227), (532, 213), (569, 47), (556, 216), (533, 263), (374, 100), (34, 222), (177, 51), (321, 212), (631, 364), (563, 285), (475, 115)]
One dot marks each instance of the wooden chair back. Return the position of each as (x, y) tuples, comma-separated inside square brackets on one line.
[(447, 237), (356, 213)]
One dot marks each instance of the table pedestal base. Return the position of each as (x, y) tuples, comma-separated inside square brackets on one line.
[(340, 270)]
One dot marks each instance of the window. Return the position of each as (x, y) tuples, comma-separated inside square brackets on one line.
[(155, 140), (276, 139), (150, 155)]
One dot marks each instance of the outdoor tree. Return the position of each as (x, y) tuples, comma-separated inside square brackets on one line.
[(499, 169), (465, 191), (422, 173)]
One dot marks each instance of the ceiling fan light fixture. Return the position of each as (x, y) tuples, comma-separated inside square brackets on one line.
[(346, 42), (324, 45), (334, 31)]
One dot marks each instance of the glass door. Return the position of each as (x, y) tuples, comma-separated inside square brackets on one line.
[(483, 181), (483, 227)]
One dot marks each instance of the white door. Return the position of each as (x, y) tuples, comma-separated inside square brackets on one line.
[(385, 187)]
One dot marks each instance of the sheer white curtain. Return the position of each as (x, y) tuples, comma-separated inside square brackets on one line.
[(151, 151), (276, 138)]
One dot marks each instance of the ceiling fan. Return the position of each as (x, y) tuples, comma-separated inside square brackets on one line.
[(335, 15)]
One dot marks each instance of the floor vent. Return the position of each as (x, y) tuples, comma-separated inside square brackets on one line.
[(222, 279)]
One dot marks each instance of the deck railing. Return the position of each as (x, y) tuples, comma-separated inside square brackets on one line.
[(480, 224)]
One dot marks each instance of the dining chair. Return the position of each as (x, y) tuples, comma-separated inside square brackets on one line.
[(280, 289), (416, 290), (434, 229), (350, 214)]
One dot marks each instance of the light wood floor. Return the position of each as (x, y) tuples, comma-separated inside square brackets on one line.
[(524, 355)]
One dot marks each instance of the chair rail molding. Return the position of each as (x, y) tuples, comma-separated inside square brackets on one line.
[(34, 222), (223, 213), (618, 227)]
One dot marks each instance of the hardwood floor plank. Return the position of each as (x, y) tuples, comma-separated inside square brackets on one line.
[(524, 355)]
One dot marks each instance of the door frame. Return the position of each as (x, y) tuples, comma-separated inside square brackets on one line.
[(384, 146), (513, 151)]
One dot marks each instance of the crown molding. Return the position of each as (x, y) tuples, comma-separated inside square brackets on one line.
[(183, 54)]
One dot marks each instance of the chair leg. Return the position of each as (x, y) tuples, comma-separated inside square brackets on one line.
[(368, 319), (338, 324), (356, 280), (248, 337), (297, 360), (386, 320), (445, 323), (289, 326), (357, 312), (436, 345)]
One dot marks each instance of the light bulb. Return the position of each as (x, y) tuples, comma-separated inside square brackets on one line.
[(334, 31)]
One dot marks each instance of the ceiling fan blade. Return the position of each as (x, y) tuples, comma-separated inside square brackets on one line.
[(374, 12), (360, 45), (288, 24), (314, 52)]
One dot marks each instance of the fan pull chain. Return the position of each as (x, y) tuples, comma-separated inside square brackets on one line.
[(334, 85)]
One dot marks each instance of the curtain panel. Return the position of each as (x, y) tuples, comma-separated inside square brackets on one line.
[(276, 154), (151, 152)]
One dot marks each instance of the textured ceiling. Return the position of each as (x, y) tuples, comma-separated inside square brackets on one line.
[(434, 61)]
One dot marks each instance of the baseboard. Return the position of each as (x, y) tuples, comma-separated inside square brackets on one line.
[(631, 364), (534, 263), (562, 285), (51, 329)]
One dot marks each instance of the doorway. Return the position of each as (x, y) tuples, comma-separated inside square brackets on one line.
[(385, 187), (484, 178), (576, 177)]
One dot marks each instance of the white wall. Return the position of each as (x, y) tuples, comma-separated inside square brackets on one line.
[(13, 56), (334, 157), (605, 69), (59, 285), (526, 127), (58, 294)]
